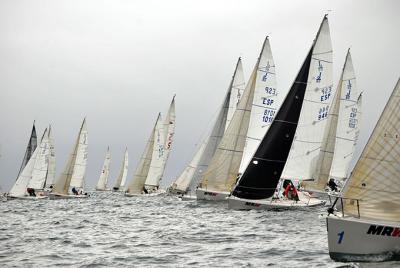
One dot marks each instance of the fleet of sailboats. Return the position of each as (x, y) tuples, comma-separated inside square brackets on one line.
[(263, 142)]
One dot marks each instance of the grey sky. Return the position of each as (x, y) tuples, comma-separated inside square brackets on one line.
[(120, 62)]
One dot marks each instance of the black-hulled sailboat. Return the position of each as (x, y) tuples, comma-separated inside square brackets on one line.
[(257, 187)]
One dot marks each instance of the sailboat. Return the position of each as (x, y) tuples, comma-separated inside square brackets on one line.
[(146, 179), (253, 115), (368, 226), (136, 185), (74, 171), (341, 129), (105, 172), (30, 148), (163, 144), (33, 176), (187, 182), (120, 182), (256, 188)]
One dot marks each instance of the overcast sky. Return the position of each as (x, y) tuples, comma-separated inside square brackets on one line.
[(120, 62)]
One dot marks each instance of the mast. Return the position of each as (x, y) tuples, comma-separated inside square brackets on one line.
[(51, 170)]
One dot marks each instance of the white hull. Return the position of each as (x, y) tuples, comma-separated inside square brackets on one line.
[(352, 239), (9, 197), (54, 196), (266, 204), (150, 194), (203, 194), (187, 197)]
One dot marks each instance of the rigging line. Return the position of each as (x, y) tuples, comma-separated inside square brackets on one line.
[(318, 102), (258, 105), (341, 138), (324, 52)]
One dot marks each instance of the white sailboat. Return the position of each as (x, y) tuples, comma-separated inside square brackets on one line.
[(187, 182), (74, 171), (341, 129), (33, 175), (163, 144), (51, 169), (251, 119), (295, 132), (120, 182), (136, 185), (105, 172), (368, 227)]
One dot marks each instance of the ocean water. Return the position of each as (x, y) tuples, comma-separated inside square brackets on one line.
[(110, 230)]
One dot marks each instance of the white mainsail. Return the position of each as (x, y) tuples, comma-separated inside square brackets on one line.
[(74, 171), (51, 169), (190, 177), (375, 180), (41, 163), (235, 90), (120, 182), (223, 169), (157, 157), (266, 102), (136, 185), (304, 153), (105, 172), (35, 168), (348, 123)]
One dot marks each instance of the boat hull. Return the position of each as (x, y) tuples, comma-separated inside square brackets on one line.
[(54, 196), (208, 195), (270, 204), (27, 197), (352, 239)]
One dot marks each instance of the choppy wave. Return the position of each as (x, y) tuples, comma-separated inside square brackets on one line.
[(110, 230)]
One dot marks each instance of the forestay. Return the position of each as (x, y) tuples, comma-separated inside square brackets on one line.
[(303, 157), (375, 180)]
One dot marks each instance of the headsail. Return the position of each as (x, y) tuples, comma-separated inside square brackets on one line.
[(224, 166), (190, 177), (120, 182), (136, 185), (266, 102), (74, 170), (303, 157), (157, 157), (41, 163), (105, 172), (348, 123), (30, 148), (375, 180), (51, 169)]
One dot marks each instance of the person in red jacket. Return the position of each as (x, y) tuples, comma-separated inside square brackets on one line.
[(291, 192)]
